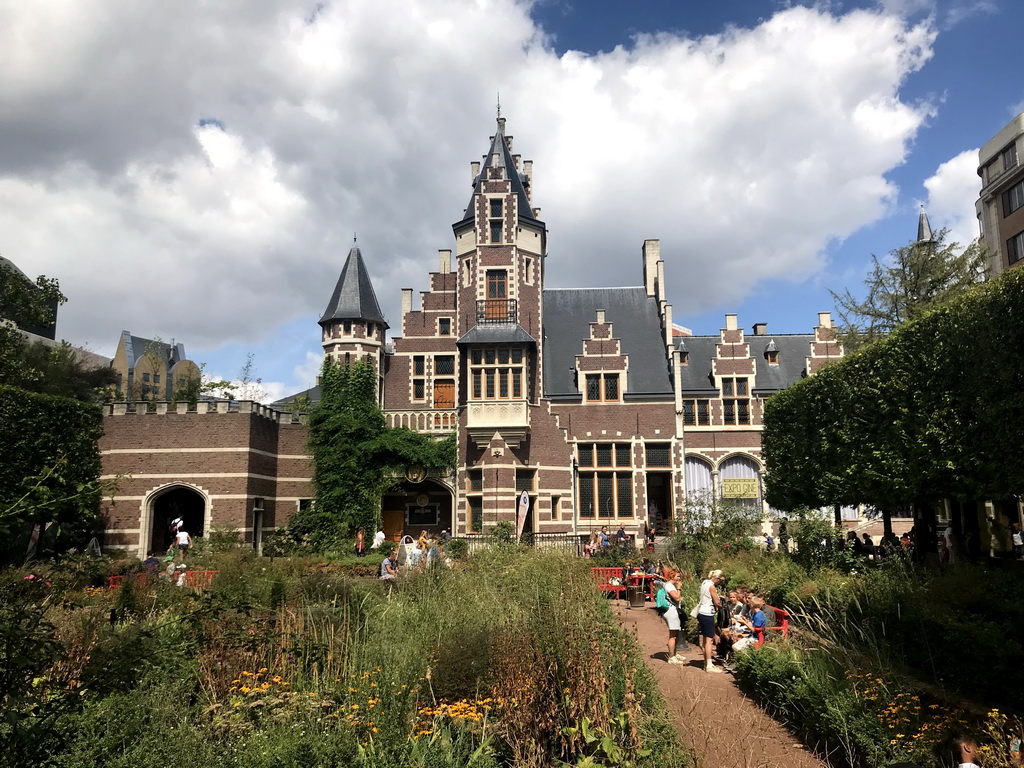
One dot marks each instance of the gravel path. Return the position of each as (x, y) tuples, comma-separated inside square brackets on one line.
[(720, 724)]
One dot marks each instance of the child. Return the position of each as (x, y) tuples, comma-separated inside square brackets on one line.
[(964, 748)]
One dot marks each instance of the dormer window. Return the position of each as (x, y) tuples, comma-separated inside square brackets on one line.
[(771, 353), (773, 358), (684, 357)]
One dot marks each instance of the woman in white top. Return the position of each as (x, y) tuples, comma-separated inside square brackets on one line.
[(707, 607)]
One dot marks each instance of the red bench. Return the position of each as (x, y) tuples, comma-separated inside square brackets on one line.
[(781, 625), (193, 579), (141, 580), (609, 580)]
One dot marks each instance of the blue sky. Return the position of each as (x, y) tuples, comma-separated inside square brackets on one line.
[(204, 183)]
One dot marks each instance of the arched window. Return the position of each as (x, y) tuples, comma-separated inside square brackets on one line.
[(739, 481)]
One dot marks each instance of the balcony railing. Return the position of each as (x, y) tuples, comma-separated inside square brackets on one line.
[(497, 311), (436, 421)]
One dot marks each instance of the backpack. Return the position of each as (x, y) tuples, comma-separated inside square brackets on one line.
[(661, 602)]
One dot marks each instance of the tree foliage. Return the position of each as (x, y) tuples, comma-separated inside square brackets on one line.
[(51, 467), (931, 412), (356, 456), (23, 303), (58, 370), (915, 278)]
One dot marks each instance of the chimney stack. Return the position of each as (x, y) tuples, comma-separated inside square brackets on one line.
[(825, 319), (730, 322), (760, 329), (445, 258), (652, 255)]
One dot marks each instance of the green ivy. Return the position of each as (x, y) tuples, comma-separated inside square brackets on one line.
[(356, 456)]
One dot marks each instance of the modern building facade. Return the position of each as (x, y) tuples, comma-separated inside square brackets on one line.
[(579, 407), (1000, 205)]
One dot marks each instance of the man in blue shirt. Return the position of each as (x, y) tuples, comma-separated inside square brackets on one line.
[(757, 623)]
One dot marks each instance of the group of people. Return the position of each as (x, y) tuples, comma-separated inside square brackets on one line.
[(378, 540), (601, 542), (724, 627), (427, 550)]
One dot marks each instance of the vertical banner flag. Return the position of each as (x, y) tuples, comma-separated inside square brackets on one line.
[(524, 506)]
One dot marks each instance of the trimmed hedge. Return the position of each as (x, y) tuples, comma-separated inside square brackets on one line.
[(40, 434), (931, 412)]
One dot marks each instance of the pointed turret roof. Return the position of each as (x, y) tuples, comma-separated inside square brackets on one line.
[(924, 229), (353, 297), (499, 156)]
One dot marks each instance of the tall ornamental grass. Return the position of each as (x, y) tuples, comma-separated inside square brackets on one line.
[(513, 659)]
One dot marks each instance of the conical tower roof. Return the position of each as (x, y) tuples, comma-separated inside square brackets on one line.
[(924, 229), (353, 297), (499, 156)]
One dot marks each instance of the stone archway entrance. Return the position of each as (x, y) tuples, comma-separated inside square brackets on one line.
[(177, 501), (413, 507)]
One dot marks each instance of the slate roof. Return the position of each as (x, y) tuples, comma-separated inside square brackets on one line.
[(635, 322), (924, 229), (313, 393), (497, 333), (792, 348), (136, 346), (353, 297), (499, 156)]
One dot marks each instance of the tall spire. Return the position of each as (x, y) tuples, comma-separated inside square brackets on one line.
[(353, 297), (499, 156), (924, 229)]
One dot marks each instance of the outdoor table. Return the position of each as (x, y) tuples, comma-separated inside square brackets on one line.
[(646, 580)]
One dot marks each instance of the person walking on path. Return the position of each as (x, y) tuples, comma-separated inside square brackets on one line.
[(378, 539), (669, 604), (184, 541), (360, 543), (707, 608)]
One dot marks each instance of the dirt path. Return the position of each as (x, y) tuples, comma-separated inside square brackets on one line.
[(724, 727)]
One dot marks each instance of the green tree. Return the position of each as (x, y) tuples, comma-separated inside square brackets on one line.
[(58, 370), (356, 456), (22, 303), (913, 279)]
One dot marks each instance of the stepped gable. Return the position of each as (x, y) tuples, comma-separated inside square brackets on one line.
[(353, 297), (634, 316), (500, 157)]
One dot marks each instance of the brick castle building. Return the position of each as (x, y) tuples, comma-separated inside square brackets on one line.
[(590, 400)]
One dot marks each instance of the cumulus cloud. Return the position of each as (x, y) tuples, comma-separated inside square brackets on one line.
[(952, 190), (197, 171)]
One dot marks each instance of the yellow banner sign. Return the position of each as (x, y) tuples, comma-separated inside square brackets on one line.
[(739, 488)]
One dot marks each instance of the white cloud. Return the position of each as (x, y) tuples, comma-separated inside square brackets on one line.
[(952, 190), (745, 152)]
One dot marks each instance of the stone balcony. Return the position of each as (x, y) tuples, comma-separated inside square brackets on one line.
[(509, 417), (437, 422)]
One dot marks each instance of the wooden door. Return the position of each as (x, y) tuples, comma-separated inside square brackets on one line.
[(393, 523), (444, 394)]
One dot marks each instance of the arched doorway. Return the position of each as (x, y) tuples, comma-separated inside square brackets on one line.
[(178, 501), (411, 507)]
